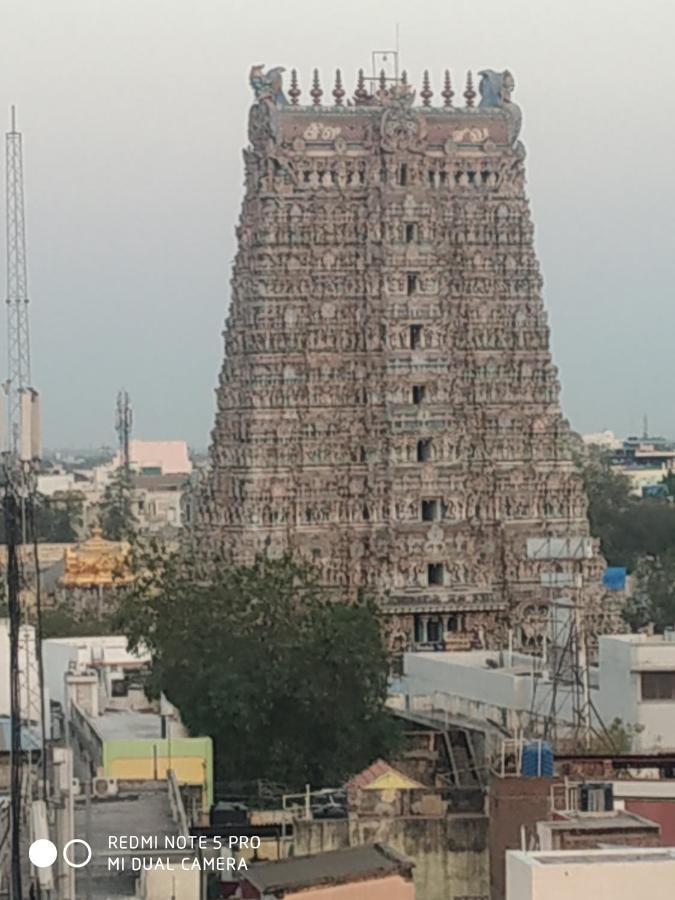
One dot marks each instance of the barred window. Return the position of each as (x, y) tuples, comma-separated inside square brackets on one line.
[(658, 685)]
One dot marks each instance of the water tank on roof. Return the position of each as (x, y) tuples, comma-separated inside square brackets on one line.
[(537, 759)]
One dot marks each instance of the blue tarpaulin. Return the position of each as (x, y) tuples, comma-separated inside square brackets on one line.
[(614, 578)]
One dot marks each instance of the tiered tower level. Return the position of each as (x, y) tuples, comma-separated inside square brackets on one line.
[(388, 407)]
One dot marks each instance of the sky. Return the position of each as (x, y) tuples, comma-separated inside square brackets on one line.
[(134, 119)]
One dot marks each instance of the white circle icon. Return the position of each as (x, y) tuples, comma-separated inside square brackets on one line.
[(42, 853), (78, 865)]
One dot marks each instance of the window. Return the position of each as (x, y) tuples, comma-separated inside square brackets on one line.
[(410, 232), (658, 685), (316, 553), (419, 630), (418, 392), (120, 687), (434, 631), (413, 279), (424, 450), (431, 510), (415, 336), (434, 574), (403, 174)]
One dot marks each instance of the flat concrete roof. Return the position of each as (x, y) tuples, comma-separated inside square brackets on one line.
[(124, 725), (591, 857), (145, 814), (620, 820)]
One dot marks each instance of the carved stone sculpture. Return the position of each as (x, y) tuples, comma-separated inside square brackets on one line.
[(388, 408)]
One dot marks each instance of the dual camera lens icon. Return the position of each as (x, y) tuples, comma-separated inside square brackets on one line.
[(43, 853)]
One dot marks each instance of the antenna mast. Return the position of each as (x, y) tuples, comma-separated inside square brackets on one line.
[(21, 453), (123, 421), (18, 333)]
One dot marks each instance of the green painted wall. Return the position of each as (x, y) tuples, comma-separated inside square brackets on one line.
[(200, 748)]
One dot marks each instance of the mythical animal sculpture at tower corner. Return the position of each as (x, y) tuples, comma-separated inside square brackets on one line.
[(495, 93), (268, 85), (495, 87)]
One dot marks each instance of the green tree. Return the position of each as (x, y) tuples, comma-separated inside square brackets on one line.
[(629, 528), (116, 514), (653, 600), (57, 518), (290, 684), (62, 621)]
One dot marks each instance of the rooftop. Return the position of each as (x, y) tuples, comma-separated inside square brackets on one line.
[(382, 776), (618, 820), (122, 725), (334, 867), (593, 857), (170, 457)]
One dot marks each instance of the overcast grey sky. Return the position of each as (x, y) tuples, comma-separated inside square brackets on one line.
[(134, 116)]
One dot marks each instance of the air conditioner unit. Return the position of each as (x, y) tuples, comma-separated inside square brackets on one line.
[(105, 787), (76, 787)]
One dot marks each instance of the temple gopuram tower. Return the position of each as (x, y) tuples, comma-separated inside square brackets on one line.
[(388, 407)]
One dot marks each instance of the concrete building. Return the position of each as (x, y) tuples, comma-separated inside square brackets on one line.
[(634, 682), (515, 805), (574, 830), (376, 872), (449, 850), (121, 735), (637, 685), (622, 874), (157, 502), (157, 457), (654, 799)]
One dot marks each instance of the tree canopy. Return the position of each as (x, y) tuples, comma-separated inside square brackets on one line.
[(57, 518), (629, 528), (290, 684), (636, 533), (116, 514)]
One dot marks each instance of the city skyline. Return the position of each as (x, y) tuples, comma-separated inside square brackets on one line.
[(133, 122)]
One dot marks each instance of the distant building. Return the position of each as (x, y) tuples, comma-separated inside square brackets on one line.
[(158, 457), (556, 814), (89, 576), (157, 502), (622, 874), (634, 681), (637, 685), (387, 805), (376, 872), (574, 830), (605, 439), (99, 685)]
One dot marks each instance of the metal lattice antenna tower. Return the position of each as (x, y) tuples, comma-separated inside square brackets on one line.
[(18, 330), (123, 420)]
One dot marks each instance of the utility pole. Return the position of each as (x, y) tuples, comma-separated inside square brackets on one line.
[(21, 452)]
